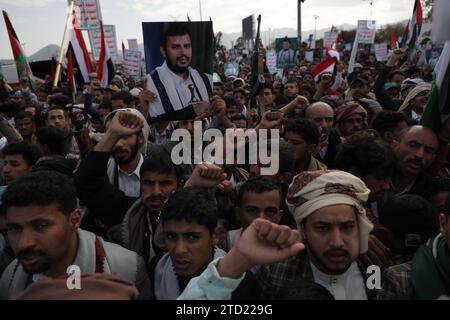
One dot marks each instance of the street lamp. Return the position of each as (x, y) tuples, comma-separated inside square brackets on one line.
[(315, 26), (299, 20)]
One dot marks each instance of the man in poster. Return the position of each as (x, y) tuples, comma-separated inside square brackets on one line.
[(182, 92)]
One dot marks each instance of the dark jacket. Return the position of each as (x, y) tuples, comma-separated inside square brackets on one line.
[(104, 201), (334, 140), (382, 96)]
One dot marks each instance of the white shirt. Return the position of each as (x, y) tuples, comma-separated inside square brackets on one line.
[(347, 286), (182, 86), (130, 183), (415, 116)]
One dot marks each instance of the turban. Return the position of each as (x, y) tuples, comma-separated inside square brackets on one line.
[(313, 190)]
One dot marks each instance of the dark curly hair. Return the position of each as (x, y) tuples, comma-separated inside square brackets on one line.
[(367, 154), (192, 204)]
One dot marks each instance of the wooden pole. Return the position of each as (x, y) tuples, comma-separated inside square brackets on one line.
[(61, 52)]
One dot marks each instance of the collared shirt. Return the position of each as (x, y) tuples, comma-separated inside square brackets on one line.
[(324, 149), (182, 86), (415, 116), (164, 136), (347, 286), (130, 183)]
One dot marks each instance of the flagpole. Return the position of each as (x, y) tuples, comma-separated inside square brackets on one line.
[(61, 52)]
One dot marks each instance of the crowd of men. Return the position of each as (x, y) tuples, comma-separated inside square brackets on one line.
[(92, 183)]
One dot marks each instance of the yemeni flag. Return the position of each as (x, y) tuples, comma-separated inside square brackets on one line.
[(23, 68), (80, 55), (71, 76), (394, 43), (414, 27), (105, 67), (326, 66), (438, 106)]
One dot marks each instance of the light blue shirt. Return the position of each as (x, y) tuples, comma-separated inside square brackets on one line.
[(210, 285)]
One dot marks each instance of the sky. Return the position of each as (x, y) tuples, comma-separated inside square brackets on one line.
[(41, 22)]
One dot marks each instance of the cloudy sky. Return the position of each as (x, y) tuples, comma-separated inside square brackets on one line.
[(41, 22)]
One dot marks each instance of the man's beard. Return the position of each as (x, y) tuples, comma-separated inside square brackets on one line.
[(133, 152), (176, 69), (40, 268)]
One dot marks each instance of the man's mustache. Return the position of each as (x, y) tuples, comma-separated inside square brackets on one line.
[(25, 254), (337, 252), (181, 57), (155, 198), (118, 150)]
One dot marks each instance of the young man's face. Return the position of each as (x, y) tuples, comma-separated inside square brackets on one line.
[(359, 90), (218, 90), (156, 188), (41, 237), (190, 246), (97, 96), (352, 124), (240, 98), (290, 90), (265, 205), (233, 111), (416, 150), (299, 145), (57, 118), (268, 97), (42, 96), (127, 149), (332, 237), (178, 53), (25, 127), (276, 88), (118, 104), (378, 187), (15, 167)]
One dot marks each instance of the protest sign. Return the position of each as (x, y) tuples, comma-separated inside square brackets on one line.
[(366, 31), (231, 69), (381, 52), (133, 44), (88, 13), (309, 56), (132, 63), (271, 61), (110, 39), (329, 39)]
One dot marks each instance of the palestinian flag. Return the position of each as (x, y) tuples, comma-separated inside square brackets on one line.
[(80, 55), (23, 68), (105, 67), (414, 27), (438, 106)]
